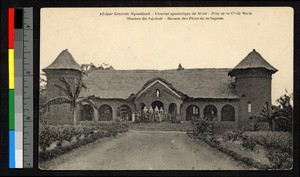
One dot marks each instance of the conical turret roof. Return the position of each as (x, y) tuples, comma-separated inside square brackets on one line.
[(64, 61), (253, 60)]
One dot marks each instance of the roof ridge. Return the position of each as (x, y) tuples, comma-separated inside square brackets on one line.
[(154, 70)]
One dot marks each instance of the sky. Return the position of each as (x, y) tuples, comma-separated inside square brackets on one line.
[(92, 35)]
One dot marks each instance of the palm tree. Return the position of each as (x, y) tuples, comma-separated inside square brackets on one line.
[(71, 97)]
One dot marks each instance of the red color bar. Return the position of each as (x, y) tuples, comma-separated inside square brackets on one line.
[(11, 26)]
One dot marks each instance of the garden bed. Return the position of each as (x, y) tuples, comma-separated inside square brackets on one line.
[(262, 150), (258, 155), (55, 140)]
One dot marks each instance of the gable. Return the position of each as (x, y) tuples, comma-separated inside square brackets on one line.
[(154, 85)]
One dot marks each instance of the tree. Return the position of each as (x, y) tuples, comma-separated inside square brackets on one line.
[(71, 97), (283, 113), (42, 99)]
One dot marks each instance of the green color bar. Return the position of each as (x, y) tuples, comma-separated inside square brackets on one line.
[(11, 109)]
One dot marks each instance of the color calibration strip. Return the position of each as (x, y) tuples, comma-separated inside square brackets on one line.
[(11, 80), (20, 61)]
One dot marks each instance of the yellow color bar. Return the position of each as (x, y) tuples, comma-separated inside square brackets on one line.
[(11, 68)]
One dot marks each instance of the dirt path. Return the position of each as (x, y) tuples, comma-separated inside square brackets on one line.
[(138, 150)]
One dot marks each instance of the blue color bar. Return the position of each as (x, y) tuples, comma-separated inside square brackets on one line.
[(12, 161)]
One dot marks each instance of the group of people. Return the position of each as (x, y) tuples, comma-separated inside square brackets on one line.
[(155, 115)]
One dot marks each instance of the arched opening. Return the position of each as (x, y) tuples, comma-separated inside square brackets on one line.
[(157, 104), (172, 108), (192, 112), (228, 113), (142, 106), (105, 113), (124, 112), (87, 113), (210, 111)]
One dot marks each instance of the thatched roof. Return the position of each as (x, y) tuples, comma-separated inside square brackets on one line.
[(253, 60), (195, 83), (64, 61)]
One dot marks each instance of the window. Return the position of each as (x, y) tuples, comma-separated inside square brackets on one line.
[(249, 106), (195, 110), (157, 93)]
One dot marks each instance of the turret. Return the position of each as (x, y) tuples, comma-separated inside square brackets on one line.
[(253, 77), (63, 66)]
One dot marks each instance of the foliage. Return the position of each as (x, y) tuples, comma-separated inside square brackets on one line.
[(42, 98), (195, 119), (278, 146), (282, 114), (50, 134), (248, 161), (71, 95), (48, 155), (145, 117), (280, 159), (174, 117), (285, 113), (204, 126), (254, 124), (249, 142), (233, 135)]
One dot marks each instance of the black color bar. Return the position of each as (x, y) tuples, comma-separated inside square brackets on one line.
[(18, 18)]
